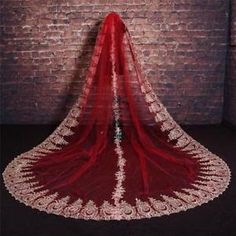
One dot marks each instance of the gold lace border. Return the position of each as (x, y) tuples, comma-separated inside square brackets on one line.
[(214, 179)]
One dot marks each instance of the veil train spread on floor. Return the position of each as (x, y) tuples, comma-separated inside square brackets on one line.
[(118, 154)]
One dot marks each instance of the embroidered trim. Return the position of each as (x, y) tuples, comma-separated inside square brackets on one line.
[(119, 190), (206, 188)]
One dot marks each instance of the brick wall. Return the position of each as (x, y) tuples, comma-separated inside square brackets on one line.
[(47, 46), (230, 81)]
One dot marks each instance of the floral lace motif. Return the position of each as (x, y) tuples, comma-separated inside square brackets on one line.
[(203, 190), (120, 174)]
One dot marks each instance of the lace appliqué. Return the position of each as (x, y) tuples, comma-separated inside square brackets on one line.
[(206, 188), (120, 174)]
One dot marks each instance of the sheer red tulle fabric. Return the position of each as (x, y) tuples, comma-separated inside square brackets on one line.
[(118, 154)]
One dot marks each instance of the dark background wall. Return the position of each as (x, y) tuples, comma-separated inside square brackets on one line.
[(46, 46), (230, 80)]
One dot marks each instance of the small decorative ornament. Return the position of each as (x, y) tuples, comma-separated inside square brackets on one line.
[(104, 162)]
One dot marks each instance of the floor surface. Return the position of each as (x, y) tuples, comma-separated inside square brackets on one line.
[(218, 217)]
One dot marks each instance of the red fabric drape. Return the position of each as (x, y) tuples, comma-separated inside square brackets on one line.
[(118, 151)]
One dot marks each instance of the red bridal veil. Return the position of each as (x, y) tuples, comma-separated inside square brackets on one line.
[(118, 154)]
